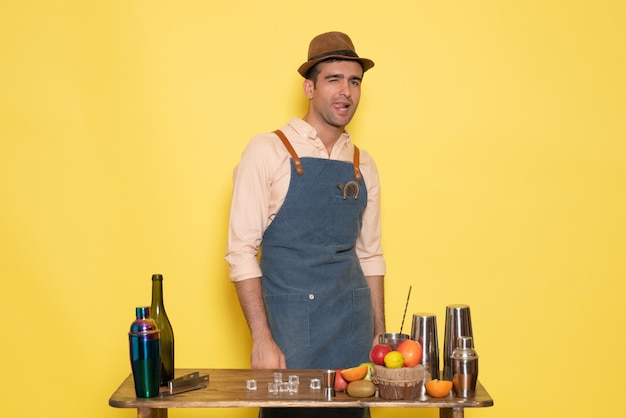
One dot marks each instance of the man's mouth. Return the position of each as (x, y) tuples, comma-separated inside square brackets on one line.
[(341, 106)]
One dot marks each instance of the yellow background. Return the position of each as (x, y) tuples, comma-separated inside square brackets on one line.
[(498, 128)]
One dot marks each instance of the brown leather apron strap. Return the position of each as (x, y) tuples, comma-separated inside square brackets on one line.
[(356, 162), (298, 163), (287, 144)]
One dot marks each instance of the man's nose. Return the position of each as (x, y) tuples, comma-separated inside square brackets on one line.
[(345, 88)]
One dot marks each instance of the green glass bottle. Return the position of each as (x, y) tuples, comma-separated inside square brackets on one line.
[(157, 312)]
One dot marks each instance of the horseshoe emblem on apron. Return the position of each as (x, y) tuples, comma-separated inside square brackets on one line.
[(351, 189)]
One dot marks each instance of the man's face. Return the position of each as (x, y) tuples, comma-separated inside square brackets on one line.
[(335, 95)]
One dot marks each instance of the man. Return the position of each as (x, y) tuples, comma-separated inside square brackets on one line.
[(310, 202)]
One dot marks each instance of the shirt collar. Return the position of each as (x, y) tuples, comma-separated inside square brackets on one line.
[(307, 131)]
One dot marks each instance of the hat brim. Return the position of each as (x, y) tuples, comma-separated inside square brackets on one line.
[(365, 63)]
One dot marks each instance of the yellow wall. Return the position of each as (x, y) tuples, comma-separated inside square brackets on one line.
[(498, 127)]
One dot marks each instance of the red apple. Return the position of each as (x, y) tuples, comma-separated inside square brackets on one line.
[(411, 351), (340, 382), (378, 352)]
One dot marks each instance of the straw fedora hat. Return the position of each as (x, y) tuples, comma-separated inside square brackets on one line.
[(332, 45)]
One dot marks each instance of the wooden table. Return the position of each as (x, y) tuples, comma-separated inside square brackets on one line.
[(227, 389)]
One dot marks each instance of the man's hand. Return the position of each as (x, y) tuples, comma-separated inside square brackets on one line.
[(266, 354), (376, 340)]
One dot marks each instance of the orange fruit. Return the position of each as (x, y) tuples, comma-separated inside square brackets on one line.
[(411, 351), (438, 388), (394, 360), (355, 373)]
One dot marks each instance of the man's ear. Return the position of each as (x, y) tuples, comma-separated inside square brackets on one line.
[(308, 87)]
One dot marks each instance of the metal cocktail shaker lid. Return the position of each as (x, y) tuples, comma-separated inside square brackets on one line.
[(464, 349), (144, 326)]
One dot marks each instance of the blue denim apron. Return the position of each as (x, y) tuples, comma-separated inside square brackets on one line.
[(316, 297)]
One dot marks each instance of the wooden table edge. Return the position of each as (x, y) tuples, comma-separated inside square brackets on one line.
[(449, 402)]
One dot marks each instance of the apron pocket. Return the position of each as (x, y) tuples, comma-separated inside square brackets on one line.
[(345, 222), (288, 318), (362, 318)]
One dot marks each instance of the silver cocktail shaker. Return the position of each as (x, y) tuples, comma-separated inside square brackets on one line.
[(465, 360), (458, 324), (424, 331)]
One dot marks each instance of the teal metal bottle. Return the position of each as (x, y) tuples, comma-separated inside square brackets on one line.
[(145, 353)]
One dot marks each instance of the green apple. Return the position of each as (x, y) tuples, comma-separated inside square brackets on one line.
[(370, 367)]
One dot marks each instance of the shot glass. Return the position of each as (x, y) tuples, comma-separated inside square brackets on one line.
[(328, 383)]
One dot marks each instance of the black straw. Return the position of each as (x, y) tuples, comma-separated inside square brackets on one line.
[(405, 307)]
